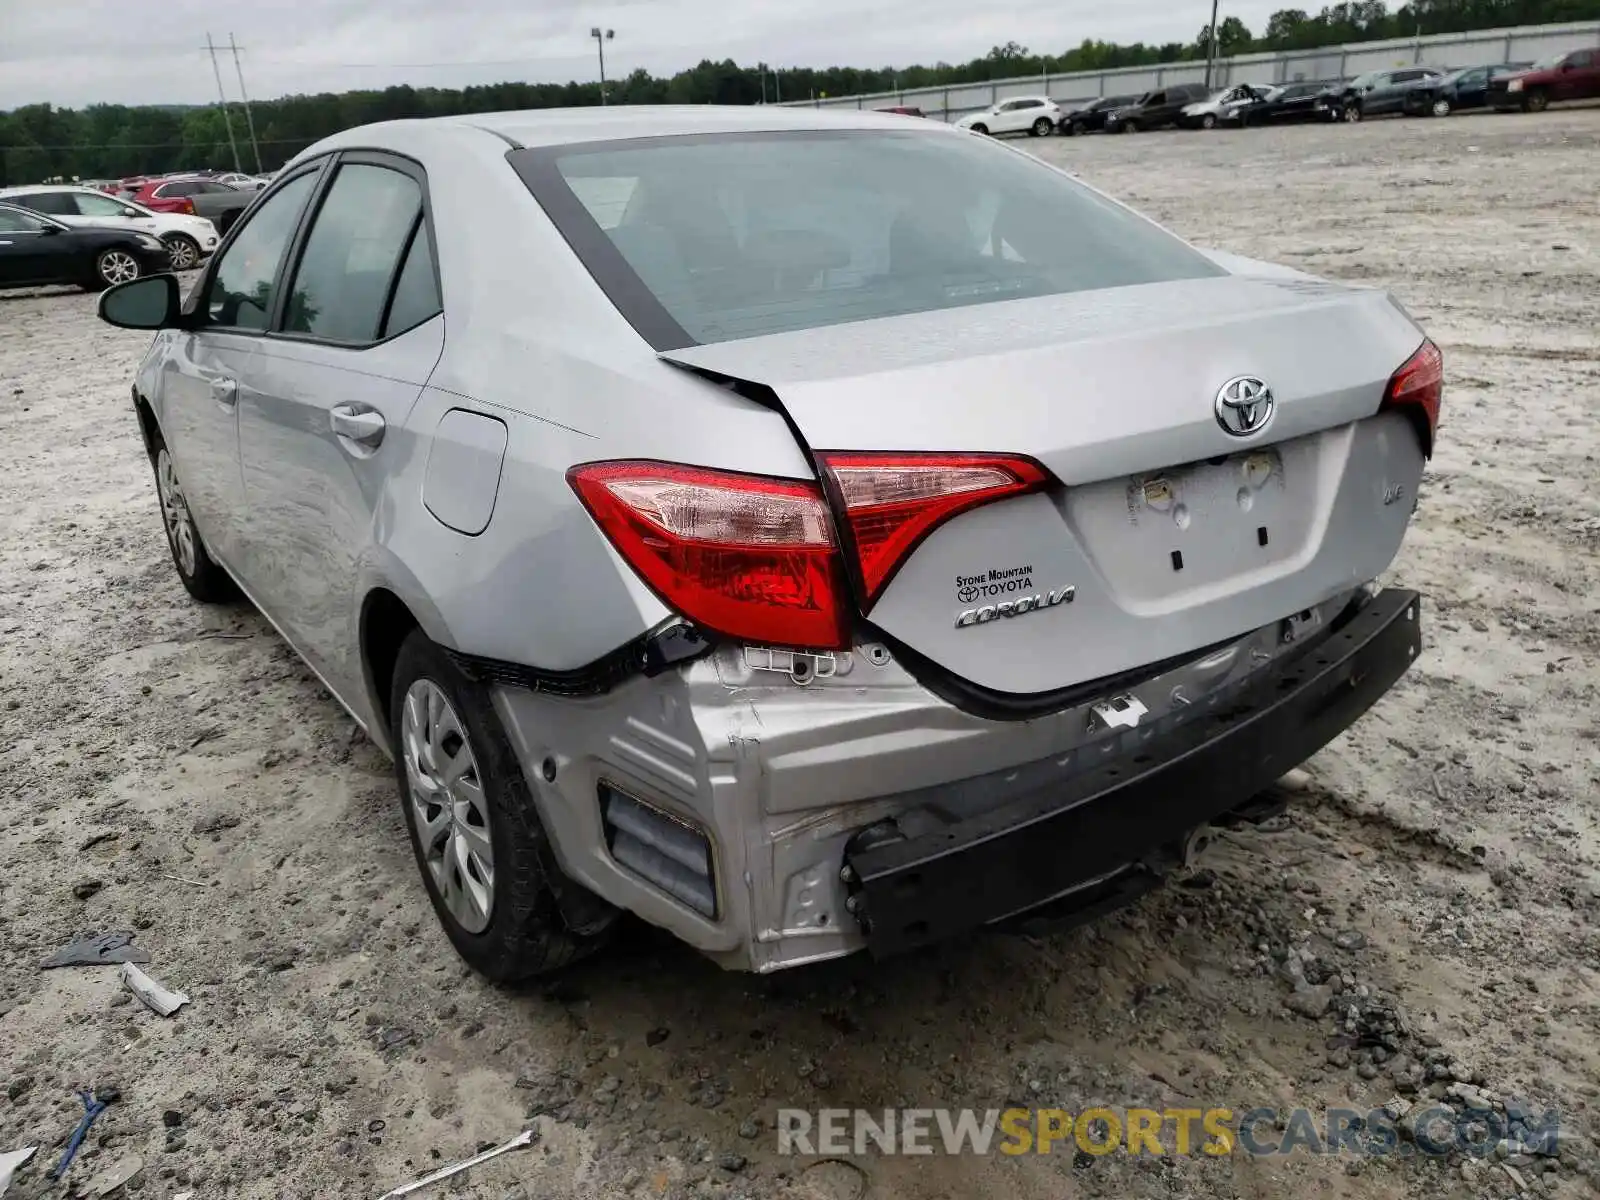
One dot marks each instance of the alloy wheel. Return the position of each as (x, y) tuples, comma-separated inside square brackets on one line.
[(183, 253), (175, 514), (448, 805), (117, 266), (1441, 107)]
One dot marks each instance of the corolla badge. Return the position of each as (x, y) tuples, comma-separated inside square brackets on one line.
[(1016, 608), (1245, 406)]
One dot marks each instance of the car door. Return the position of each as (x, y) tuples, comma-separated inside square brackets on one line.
[(22, 257), (1006, 118), (1578, 77), (96, 209), (205, 369), (322, 428)]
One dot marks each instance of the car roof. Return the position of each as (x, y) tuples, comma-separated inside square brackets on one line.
[(568, 126), (29, 189)]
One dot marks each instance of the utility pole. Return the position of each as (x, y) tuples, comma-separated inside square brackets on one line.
[(777, 87), (249, 119), (223, 96), (1211, 53), (600, 40)]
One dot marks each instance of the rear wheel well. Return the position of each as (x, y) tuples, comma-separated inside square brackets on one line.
[(386, 622)]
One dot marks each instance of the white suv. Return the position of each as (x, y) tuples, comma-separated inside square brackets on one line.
[(1034, 115), (189, 239)]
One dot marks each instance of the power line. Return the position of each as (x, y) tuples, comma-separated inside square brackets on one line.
[(221, 95), (245, 96)]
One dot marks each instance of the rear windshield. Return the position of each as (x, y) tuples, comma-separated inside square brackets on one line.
[(709, 238)]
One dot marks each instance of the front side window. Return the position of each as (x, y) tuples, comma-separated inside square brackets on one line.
[(357, 239), (741, 235), (98, 206), (170, 191), (12, 221), (241, 292)]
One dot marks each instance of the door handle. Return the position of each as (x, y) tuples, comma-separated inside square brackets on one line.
[(225, 391), (364, 426)]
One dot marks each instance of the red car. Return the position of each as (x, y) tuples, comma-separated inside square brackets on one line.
[(148, 193), (1571, 76), (905, 110)]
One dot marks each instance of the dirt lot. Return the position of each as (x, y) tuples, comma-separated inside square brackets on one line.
[(176, 771)]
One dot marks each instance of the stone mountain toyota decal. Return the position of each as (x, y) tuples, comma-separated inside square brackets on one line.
[(1016, 608)]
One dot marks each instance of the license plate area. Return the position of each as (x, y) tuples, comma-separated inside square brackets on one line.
[(1172, 532)]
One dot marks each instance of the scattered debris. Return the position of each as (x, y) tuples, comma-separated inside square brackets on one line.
[(95, 839), (92, 1108), (183, 879), (10, 1161), (155, 997), (216, 823), (525, 1138), (114, 1176), (97, 950), (85, 888)]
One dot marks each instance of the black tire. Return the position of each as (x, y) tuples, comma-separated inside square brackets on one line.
[(980, 127), (1129, 126), (199, 573), (185, 251), (1077, 129), (1352, 113), (527, 934), (1536, 101), (1043, 127), (1209, 121)]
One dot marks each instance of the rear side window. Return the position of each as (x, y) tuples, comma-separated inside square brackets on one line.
[(358, 237), (416, 292), (57, 204), (241, 292), (737, 235), (168, 191)]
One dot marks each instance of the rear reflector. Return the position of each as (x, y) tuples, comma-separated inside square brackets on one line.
[(746, 556), (892, 501), (1417, 388)]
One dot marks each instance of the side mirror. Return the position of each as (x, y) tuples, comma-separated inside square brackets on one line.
[(132, 212), (49, 230), (148, 303)]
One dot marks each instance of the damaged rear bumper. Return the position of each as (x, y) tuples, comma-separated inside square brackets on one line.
[(1049, 838), (766, 775)]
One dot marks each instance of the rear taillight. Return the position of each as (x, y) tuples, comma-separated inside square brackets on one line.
[(892, 501), (1417, 389), (746, 556)]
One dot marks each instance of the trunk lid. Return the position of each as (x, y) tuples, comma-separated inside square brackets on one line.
[(1173, 534)]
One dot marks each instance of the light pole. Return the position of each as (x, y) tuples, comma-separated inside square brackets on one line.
[(601, 37), (1211, 52)]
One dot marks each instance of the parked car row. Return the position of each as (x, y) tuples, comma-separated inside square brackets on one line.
[(36, 250), (189, 239), (1414, 91)]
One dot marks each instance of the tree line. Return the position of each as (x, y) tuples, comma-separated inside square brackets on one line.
[(41, 141)]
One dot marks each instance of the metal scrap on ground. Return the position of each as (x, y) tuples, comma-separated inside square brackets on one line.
[(525, 1138), (10, 1161), (152, 994), (97, 950)]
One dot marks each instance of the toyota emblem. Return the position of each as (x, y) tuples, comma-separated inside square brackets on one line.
[(1245, 406)]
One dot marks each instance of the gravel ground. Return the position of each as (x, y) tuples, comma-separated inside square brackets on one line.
[(1422, 920)]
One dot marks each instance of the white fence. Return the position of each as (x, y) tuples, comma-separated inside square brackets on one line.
[(1525, 43)]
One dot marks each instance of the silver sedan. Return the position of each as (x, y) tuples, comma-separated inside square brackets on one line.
[(809, 532)]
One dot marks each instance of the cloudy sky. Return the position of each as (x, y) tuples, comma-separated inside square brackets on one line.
[(75, 52)]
